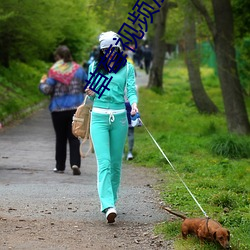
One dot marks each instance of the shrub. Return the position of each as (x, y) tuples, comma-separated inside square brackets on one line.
[(231, 146), (224, 200)]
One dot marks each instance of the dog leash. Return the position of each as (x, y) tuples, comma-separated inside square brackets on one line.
[(174, 169)]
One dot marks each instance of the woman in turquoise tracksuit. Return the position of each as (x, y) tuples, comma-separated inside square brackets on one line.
[(109, 123)]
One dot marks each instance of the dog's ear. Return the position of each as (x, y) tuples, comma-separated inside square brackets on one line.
[(228, 237), (214, 235)]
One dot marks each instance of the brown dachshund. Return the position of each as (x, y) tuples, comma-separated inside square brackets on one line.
[(204, 229)]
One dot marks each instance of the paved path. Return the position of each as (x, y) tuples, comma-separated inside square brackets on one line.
[(27, 160), (141, 78), (26, 163), (31, 191)]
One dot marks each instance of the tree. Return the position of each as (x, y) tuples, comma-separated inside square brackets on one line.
[(201, 99), (23, 33), (111, 14), (28, 33), (223, 38), (159, 48)]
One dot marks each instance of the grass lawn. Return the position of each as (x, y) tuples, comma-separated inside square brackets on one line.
[(214, 164)]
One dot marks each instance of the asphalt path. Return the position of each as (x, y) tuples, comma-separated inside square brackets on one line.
[(31, 190), (26, 177)]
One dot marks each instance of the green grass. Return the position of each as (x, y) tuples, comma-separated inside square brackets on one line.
[(214, 164), (19, 88)]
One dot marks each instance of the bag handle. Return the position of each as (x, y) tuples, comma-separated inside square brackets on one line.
[(85, 99), (91, 148), (84, 155), (87, 137), (84, 140)]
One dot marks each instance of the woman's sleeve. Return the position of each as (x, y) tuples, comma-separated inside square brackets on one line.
[(131, 85), (47, 87), (82, 75)]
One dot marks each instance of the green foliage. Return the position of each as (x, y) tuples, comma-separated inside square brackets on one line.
[(115, 10), (41, 29), (243, 59), (219, 183), (19, 87), (176, 18), (174, 25), (224, 200), (231, 146), (210, 129), (241, 17)]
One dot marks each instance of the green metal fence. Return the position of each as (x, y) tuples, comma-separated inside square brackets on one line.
[(208, 58)]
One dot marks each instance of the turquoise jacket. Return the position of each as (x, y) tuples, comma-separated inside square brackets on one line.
[(122, 82)]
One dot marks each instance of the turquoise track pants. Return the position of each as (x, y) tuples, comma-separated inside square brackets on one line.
[(108, 136)]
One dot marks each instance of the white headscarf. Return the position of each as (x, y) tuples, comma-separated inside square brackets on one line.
[(107, 38)]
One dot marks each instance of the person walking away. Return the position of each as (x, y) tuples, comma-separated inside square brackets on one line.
[(131, 130), (130, 133), (109, 125), (139, 52), (93, 55), (65, 84), (130, 127), (147, 58)]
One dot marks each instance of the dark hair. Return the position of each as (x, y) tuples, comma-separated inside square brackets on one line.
[(104, 69), (64, 53)]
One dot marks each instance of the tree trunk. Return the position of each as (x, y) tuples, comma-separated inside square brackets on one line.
[(201, 99), (159, 48), (235, 109)]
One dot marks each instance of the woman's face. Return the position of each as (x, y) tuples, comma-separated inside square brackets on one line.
[(110, 52)]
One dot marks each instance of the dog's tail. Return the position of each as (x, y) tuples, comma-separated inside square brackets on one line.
[(175, 213)]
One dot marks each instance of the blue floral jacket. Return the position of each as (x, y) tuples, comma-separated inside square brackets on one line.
[(65, 97)]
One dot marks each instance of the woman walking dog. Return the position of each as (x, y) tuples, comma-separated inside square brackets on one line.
[(109, 123)]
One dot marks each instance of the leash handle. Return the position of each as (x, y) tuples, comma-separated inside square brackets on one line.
[(174, 170)]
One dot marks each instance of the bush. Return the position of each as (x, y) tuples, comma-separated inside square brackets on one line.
[(19, 88), (224, 200), (231, 146)]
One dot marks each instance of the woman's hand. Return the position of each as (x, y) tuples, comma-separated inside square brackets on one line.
[(134, 109), (43, 79), (89, 92)]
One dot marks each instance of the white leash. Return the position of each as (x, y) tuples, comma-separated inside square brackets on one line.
[(174, 169)]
